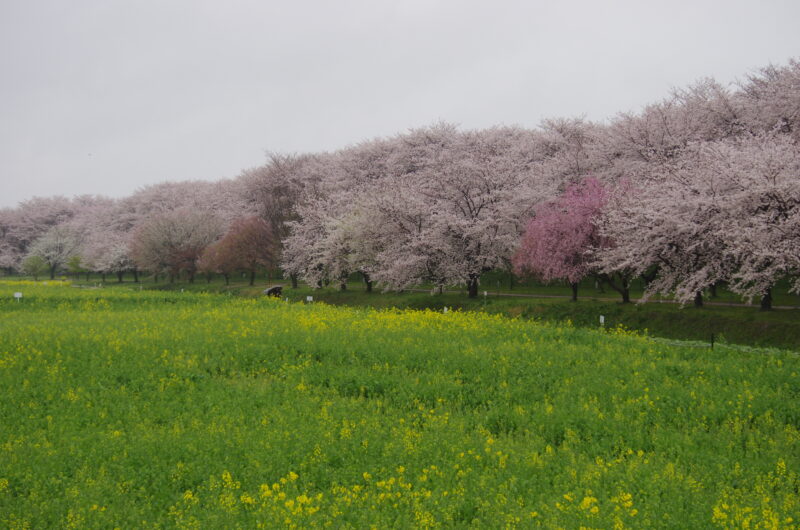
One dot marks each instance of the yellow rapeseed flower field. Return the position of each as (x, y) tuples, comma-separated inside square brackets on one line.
[(126, 408)]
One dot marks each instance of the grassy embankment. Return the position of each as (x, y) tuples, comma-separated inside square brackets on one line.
[(745, 325), (145, 409)]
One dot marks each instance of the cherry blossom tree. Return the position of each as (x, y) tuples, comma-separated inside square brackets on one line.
[(173, 242), (558, 241), (248, 245), (9, 253), (55, 248), (275, 192), (763, 209), (454, 205), (726, 211), (223, 200), (216, 260), (669, 232), (568, 149), (637, 147), (109, 252), (770, 99), (28, 222), (314, 250)]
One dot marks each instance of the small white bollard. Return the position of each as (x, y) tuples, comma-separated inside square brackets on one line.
[(444, 310), (602, 321), (18, 296)]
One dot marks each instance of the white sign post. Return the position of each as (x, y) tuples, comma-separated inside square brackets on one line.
[(602, 320), (18, 296), (309, 299)]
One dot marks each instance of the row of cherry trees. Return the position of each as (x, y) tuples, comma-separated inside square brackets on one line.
[(164, 229), (700, 188)]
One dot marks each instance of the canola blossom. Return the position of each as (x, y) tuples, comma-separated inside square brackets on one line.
[(126, 408)]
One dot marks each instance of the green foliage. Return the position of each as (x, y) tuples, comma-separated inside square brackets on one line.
[(34, 265), (145, 409), (75, 265)]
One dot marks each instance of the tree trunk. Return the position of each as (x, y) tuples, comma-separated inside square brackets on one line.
[(252, 277), (103, 277), (713, 289), (343, 286), (53, 272), (191, 276), (698, 299), (574, 286), (510, 281), (472, 286), (766, 301), (367, 281), (598, 285), (624, 287), (155, 277), (135, 275), (227, 279), (119, 277), (293, 277)]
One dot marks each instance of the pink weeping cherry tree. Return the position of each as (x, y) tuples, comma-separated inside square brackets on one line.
[(557, 243)]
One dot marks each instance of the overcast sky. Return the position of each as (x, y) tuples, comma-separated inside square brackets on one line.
[(106, 96)]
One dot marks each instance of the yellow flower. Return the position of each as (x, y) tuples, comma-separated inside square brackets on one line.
[(247, 499), (587, 502)]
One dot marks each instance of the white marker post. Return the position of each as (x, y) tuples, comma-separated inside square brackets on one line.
[(602, 321), (18, 296), (309, 299)]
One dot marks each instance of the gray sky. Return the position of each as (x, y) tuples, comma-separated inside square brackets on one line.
[(106, 96)]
